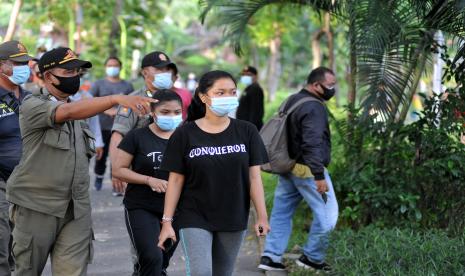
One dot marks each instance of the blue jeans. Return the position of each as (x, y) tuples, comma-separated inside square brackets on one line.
[(289, 192)]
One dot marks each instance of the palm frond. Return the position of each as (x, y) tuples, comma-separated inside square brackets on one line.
[(236, 15)]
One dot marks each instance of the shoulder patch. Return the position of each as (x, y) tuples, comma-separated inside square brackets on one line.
[(124, 111)]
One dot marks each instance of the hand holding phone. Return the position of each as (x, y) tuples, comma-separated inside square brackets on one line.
[(325, 197), (168, 244)]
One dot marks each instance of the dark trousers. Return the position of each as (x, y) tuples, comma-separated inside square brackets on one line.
[(101, 165), (5, 233), (144, 230)]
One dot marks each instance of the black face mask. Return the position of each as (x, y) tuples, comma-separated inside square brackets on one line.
[(68, 85), (327, 93)]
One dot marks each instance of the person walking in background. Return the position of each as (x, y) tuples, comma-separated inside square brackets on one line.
[(49, 188), (14, 72), (112, 84), (139, 157), (310, 145), (251, 105), (214, 164)]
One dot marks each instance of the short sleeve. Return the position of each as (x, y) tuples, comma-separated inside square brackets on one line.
[(173, 158), (129, 89), (94, 89), (39, 113), (257, 150), (125, 120), (129, 143)]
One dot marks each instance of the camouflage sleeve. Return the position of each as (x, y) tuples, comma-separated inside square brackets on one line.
[(125, 120)]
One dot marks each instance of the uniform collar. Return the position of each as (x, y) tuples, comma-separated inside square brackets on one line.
[(43, 91)]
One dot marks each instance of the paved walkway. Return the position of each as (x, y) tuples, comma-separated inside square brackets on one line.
[(112, 255)]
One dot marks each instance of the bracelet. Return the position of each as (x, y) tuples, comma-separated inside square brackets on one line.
[(166, 219)]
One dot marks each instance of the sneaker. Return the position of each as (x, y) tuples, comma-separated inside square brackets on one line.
[(305, 263), (268, 265), (98, 183)]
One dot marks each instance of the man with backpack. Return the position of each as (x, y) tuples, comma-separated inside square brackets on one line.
[(306, 129)]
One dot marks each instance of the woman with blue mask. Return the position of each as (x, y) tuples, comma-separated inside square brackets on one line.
[(214, 164), (139, 157)]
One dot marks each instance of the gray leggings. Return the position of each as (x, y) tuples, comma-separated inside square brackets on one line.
[(210, 253)]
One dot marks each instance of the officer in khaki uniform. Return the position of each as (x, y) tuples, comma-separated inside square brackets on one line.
[(14, 71), (157, 70), (49, 188)]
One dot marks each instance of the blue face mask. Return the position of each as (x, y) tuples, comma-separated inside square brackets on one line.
[(21, 74), (168, 123), (246, 80), (222, 106), (163, 80), (112, 71)]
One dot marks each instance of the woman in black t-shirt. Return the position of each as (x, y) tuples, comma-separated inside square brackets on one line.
[(214, 164), (139, 157)]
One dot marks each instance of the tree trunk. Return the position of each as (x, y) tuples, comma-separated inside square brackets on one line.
[(79, 21), (413, 88), (123, 46), (418, 61), (352, 94), (255, 56), (115, 28), (274, 65), (13, 18), (316, 49), (331, 58), (71, 28), (330, 37)]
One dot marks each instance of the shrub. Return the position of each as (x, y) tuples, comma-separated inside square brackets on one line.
[(412, 175)]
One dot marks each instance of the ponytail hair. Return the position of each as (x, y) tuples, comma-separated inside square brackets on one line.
[(197, 108)]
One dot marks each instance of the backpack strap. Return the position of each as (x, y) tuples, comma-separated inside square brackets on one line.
[(296, 105)]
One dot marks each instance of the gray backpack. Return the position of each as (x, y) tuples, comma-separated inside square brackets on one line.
[(274, 136)]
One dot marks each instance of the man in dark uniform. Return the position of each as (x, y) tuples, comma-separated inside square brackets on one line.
[(251, 107), (14, 71), (49, 189)]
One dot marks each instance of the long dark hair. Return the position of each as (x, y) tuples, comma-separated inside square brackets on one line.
[(197, 108)]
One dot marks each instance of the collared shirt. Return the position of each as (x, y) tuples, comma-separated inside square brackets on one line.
[(10, 136), (104, 87), (126, 119), (54, 166)]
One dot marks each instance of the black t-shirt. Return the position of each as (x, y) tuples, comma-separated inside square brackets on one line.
[(216, 191), (147, 150)]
